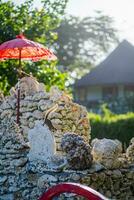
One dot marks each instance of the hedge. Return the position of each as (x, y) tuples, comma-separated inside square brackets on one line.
[(112, 126)]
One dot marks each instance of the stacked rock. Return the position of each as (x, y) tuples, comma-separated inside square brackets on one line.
[(54, 108), (78, 152), (13, 151), (33, 108), (28, 86), (1, 97), (7, 110), (130, 151), (70, 117), (107, 152)]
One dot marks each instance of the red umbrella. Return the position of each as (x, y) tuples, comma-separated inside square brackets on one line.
[(22, 48)]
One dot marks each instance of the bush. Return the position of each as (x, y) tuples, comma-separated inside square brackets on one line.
[(117, 105), (112, 126)]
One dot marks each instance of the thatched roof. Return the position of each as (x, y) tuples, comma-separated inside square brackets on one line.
[(117, 68)]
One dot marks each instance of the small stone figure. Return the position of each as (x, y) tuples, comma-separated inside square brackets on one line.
[(78, 152)]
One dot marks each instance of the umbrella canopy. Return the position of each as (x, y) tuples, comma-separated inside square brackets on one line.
[(22, 48)]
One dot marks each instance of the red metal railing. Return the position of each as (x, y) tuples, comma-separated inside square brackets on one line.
[(75, 188)]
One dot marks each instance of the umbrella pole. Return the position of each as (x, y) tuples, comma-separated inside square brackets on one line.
[(18, 91), (18, 103)]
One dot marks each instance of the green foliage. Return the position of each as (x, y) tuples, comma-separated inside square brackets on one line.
[(38, 25), (105, 111), (81, 41), (118, 105), (115, 127)]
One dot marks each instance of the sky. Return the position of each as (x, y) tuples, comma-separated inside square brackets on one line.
[(122, 12)]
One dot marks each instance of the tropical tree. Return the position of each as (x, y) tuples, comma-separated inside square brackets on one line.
[(77, 42), (38, 25), (81, 42)]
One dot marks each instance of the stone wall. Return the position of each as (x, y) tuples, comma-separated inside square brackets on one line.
[(28, 166), (54, 108), (29, 180)]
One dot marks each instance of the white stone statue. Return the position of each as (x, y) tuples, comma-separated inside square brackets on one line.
[(41, 141)]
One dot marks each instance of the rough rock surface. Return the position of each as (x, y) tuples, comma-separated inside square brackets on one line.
[(78, 152), (56, 162), (130, 151), (1, 97), (28, 86), (107, 152), (22, 179), (13, 159), (55, 108)]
